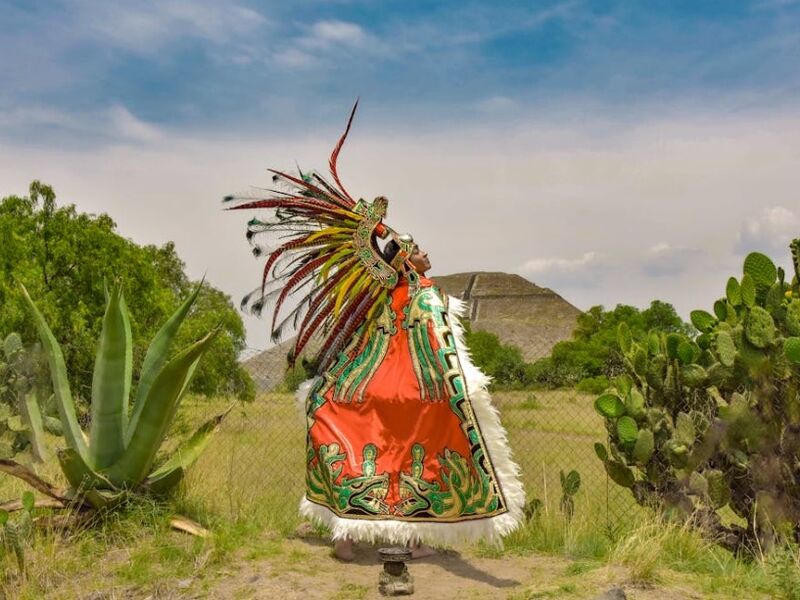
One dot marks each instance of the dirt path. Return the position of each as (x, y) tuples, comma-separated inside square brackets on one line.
[(305, 569)]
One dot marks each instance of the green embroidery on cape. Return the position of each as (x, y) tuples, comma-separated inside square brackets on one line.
[(363, 495), (354, 368), (465, 491)]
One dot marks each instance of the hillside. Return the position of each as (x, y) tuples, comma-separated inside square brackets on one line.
[(518, 311)]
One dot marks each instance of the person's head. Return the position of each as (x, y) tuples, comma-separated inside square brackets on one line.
[(418, 258)]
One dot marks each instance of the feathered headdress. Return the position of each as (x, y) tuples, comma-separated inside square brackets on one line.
[(327, 255)]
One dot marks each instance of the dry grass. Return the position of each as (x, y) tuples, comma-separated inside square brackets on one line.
[(250, 478)]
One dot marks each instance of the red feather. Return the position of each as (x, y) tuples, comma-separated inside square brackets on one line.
[(337, 149)]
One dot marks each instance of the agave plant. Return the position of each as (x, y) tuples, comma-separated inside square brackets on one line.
[(118, 454)]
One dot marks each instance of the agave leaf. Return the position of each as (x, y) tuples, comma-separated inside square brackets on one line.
[(155, 415), (33, 416), (104, 498), (58, 373), (79, 474), (189, 526), (111, 384), (171, 472), (156, 357)]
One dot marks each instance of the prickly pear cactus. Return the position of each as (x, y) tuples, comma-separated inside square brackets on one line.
[(20, 392), (699, 424)]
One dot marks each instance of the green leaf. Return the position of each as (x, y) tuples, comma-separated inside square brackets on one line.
[(761, 269), (79, 474), (685, 352), (759, 327), (58, 373), (29, 408), (733, 292), (684, 430), (627, 431), (3, 517), (673, 340), (601, 451), (156, 357), (748, 291), (624, 338), (654, 343), (570, 483), (620, 474), (28, 500), (634, 404), (171, 472), (721, 309), (111, 384), (702, 320), (726, 348), (791, 348), (610, 406), (157, 410), (644, 447)]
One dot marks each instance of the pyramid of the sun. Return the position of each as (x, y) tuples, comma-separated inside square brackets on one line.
[(519, 312)]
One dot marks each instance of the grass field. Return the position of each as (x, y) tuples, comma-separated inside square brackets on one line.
[(246, 486)]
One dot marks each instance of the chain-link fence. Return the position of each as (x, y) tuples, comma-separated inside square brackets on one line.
[(260, 449)]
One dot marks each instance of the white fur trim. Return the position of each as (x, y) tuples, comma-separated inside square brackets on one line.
[(490, 529)]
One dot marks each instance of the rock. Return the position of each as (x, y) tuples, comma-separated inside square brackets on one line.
[(612, 594)]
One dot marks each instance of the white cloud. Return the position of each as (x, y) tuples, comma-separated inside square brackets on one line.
[(544, 265), (324, 33), (145, 27), (583, 208), (129, 127), (769, 230), (665, 260)]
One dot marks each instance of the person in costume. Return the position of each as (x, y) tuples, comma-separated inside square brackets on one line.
[(403, 444)]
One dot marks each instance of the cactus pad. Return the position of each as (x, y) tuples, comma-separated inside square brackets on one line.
[(672, 342), (624, 338), (634, 404), (627, 431), (793, 317), (748, 290), (644, 447), (610, 406), (733, 292), (601, 451), (654, 343), (791, 348), (726, 349), (684, 429), (686, 352), (620, 474), (721, 309), (702, 320), (759, 327), (693, 375), (761, 269), (698, 485), (718, 491)]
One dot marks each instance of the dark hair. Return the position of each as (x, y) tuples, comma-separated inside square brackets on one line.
[(390, 250)]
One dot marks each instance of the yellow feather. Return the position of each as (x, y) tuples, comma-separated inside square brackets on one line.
[(344, 287)]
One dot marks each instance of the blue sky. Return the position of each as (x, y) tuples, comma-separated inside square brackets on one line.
[(262, 66), (613, 151)]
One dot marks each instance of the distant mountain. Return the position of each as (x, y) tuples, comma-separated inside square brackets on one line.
[(518, 311)]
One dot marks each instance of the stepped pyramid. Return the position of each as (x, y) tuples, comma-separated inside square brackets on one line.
[(518, 311)]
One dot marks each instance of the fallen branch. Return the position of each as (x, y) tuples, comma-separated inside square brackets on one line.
[(22, 472)]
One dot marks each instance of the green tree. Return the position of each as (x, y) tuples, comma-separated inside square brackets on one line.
[(65, 257), (503, 362), (592, 357)]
